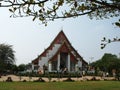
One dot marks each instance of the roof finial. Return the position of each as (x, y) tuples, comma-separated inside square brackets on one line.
[(61, 28)]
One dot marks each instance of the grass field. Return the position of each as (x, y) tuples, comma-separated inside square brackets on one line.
[(86, 85)]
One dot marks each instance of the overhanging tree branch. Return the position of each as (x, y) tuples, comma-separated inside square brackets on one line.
[(38, 9), (11, 4), (108, 41), (111, 5)]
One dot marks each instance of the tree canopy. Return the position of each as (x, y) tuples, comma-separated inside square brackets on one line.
[(49, 10), (107, 63), (7, 57), (22, 67)]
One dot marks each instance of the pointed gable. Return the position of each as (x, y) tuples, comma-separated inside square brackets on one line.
[(65, 47), (60, 38)]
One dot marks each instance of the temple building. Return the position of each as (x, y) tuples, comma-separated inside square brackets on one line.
[(58, 56)]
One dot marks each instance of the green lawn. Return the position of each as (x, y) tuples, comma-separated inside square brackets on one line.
[(86, 85)]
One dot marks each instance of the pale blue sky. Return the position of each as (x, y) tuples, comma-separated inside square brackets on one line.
[(30, 38)]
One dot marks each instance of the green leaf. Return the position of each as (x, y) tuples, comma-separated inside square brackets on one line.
[(48, 12), (40, 5), (11, 10), (109, 41), (54, 7), (117, 24), (40, 11), (14, 9), (75, 4), (45, 24), (34, 18), (31, 1), (82, 7), (102, 47), (60, 3), (104, 38), (42, 19), (28, 11)]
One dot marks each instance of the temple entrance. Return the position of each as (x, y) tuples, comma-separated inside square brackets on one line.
[(63, 61)]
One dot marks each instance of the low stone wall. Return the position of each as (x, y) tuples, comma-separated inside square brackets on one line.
[(23, 78)]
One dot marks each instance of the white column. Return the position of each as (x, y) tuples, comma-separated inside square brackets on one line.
[(33, 67), (79, 63), (50, 67), (76, 67), (58, 62), (68, 62)]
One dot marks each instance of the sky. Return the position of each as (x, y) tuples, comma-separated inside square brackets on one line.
[(29, 39)]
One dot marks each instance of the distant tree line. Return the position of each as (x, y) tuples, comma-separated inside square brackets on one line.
[(108, 63), (7, 61)]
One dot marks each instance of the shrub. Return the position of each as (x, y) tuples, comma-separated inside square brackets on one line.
[(39, 80), (9, 79), (24, 80), (68, 80)]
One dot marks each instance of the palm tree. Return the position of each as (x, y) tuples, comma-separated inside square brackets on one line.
[(7, 57)]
